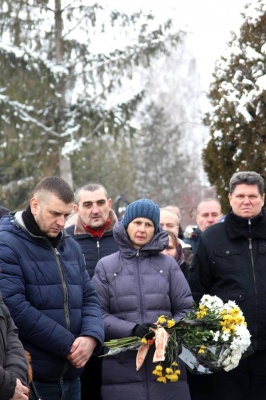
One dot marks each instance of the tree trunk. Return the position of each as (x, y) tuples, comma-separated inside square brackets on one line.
[(64, 162), (65, 170)]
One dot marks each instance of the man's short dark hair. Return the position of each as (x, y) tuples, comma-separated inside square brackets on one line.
[(56, 186), (246, 178), (90, 187)]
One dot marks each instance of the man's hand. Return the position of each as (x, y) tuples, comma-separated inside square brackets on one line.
[(21, 392), (81, 350)]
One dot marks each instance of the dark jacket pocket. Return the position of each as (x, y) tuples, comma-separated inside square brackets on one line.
[(226, 260)]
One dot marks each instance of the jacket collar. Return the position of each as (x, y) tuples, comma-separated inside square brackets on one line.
[(245, 227), (157, 244), (18, 219)]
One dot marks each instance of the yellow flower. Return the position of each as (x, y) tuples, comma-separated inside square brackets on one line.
[(170, 323), (202, 312), (174, 364), (202, 349), (235, 311), (161, 379), (169, 370), (144, 341), (157, 372), (172, 377), (162, 319)]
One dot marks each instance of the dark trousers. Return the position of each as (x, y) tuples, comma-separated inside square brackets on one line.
[(65, 390), (91, 379), (200, 386), (246, 382)]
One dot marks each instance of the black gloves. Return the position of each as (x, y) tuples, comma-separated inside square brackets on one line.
[(144, 330)]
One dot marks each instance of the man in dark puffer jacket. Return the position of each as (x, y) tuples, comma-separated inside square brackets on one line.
[(94, 232), (48, 291), (230, 263)]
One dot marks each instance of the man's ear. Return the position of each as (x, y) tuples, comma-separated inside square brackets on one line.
[(75, 208), (110, 203), (34, 203)]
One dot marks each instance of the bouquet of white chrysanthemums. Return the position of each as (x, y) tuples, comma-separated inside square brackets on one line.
[(212, 337), (224, 336)]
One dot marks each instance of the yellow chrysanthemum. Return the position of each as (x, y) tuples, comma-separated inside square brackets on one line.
[(174, 364), (162, 319), (202, 349), (203, 311), (169, 370), (172, 377), (170, 323), (235, 311), (161, 379), (157, 372)]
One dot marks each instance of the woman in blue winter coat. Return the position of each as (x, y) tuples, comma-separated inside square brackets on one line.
[(136, 285)]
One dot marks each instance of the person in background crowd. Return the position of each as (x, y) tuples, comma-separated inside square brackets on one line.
[(13, 362), (48, 291), (172, 250), (136, 285), (71, 220), (208, 213), (169, 222), (177, 211), (93, 230), (230, 263)]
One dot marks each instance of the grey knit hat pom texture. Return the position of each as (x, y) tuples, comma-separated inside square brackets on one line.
[(144, 208)]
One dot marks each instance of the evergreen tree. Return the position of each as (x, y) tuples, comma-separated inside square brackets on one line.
[(238, 95), (58, 89), (160, 164)]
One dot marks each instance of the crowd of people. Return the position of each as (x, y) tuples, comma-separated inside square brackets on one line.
[(73, 275)]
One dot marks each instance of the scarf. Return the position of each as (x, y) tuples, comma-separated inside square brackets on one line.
[(98, 232)]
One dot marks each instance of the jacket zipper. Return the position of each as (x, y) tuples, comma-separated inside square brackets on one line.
[(66, 309), (141, 308), (139, 285), (253, 267), (98, 249), (252, 264)]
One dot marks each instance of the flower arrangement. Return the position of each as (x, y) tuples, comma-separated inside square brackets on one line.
[(214, 334)]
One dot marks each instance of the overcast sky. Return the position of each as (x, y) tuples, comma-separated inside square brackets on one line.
[(208, 21)]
